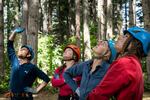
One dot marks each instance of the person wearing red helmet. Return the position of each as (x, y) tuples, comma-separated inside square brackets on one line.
[(124, 79), (71, 56)]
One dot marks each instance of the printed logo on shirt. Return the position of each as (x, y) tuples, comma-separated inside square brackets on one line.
[(26, 72)]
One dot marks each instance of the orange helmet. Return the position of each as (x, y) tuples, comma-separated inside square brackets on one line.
[(75, 49)]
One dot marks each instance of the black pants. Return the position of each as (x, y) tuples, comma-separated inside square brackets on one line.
[(70, 97), (21, 98)]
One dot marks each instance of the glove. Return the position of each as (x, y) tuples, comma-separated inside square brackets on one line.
[(19, 30), (56, 76), (30, 90), (78, 91)]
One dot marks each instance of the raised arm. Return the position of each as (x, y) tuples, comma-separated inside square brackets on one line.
[(10, 48)]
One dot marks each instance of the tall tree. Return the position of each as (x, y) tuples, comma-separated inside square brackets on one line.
[(132, 10), (46, 14), (116, 17), (126, 15), (87, 45), (101, 19), (99, 12), (32, 34), (1, 41), (77, 20), (109, 19), (146, 13), (25, 20), (49, 24)]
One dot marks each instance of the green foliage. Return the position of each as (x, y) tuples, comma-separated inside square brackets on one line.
[(144, 68), (49, 54), (4, 83), (93, 40), (93, 27)]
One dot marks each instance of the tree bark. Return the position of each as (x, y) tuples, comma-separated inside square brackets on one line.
[(146, 13), (1, 41), (32, 34), (101, 19), (77, 5), (49, 24), (132, 13), (25, 21), (109, 34), (87, 52), (99, 12)]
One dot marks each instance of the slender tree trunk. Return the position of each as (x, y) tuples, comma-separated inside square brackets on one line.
[(99, 12), (60, 21), (32, 35), (87, 52), (25, 20), (94, 11), (45, 15), (69, 32), (105, 19), (126, 25), (8, 18), (146, 13), (77, 5), (101, 19), (1, 41), (109, 20), (132, 13), (49, 26)]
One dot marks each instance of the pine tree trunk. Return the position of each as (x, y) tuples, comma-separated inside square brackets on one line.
[(101, 19), (146, 13), (109, 34), (49, 26), (99, 12), (131, 13), (87, 52), (45, 15), (1, 41), (77, 5), (32, 34), (25, 21)]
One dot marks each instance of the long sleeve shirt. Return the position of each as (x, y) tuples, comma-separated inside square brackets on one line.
[(124, 80), (22, 75), (58, 81), (89, 80)]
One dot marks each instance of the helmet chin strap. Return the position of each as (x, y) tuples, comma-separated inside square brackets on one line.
[(68, 59), (125, 48), (73, 58)]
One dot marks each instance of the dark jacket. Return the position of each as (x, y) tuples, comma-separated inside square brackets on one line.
[(59, 82)]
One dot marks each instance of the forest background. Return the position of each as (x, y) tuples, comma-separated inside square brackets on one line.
[(52, 24)]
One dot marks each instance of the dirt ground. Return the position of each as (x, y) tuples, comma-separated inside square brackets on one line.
[(45, 95)]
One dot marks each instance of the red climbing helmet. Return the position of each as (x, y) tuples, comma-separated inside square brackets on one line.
[(75, 49)]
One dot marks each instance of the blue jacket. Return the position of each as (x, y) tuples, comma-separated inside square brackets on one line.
[(89, 80), (22, 75)]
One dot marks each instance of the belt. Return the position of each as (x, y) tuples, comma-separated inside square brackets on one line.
[(20, 94)]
